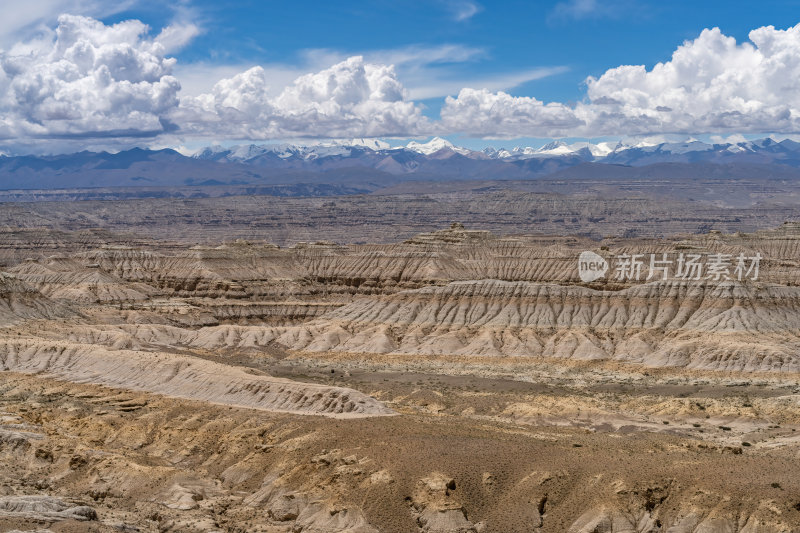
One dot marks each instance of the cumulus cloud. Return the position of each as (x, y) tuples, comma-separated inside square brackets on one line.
[(486, 114), (711, 85), (433, 71), (27, 18), (351, 98), (89, 80)]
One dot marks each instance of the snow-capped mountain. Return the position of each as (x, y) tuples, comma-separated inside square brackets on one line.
[(366, 164), (435, 145), (248, 152), (418, 156)]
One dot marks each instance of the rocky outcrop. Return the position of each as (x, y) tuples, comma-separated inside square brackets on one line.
[(20, 302), (183, 377), (726, 326), (438, 509), (604, 520), (67, 279), (44, 508)]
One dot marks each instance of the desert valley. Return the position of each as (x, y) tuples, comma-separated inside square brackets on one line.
[(454, 381)]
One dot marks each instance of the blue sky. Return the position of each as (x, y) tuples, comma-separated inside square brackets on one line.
[(522, 55), (509, 37)]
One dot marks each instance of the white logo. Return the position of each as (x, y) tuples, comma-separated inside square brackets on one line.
[(678, 266), (591, 266)]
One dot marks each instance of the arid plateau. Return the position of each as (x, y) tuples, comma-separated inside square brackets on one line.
[(453, 381)]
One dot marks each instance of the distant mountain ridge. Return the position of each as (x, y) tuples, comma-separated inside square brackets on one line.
[(761, 151), (365, 165)]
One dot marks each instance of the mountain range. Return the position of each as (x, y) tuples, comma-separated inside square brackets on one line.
[(764, 150), (367, 165)]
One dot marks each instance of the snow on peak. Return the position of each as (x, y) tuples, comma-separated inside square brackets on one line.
[(434, 145), (552, 146), (208, 151), (603, 149), (689, 145), (243, 152), (372, 144), (556, 148)]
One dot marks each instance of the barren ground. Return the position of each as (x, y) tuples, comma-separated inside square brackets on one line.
[(455, 382)]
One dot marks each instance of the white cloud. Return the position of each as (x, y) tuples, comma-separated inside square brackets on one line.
[(429, 71), (86, 80), (26, 19), (432, 87), (418, 56), (352, 98), (90, 80), (183, 28), (200, 77), (426, 71), (261, 102), (576, 8), (730, 139), (462, 10), (710, 85), (482, 113), (177, 35), (569, 10)]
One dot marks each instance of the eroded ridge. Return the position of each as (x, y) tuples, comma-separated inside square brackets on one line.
[(183, 377), (173, 375)]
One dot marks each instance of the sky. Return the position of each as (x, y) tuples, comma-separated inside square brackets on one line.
[(89, 74)]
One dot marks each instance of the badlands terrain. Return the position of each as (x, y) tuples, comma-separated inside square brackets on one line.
[(167, 370)]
